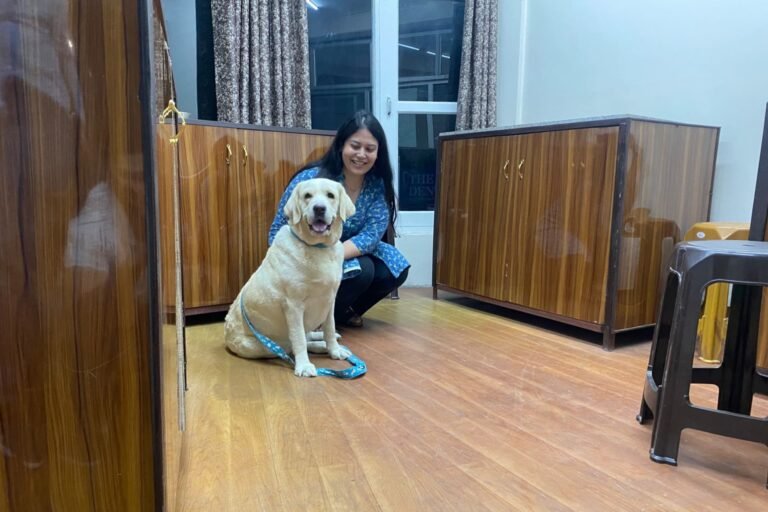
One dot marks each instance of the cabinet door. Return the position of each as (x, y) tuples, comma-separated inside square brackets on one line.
[(268, 160), (563, 217), (473, 179), (208, 159)]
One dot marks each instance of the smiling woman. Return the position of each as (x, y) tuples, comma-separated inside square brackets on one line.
[(359, 159)]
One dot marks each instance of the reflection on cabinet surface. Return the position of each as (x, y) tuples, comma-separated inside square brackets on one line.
[(79, 412), (231, 178), (570, 221)]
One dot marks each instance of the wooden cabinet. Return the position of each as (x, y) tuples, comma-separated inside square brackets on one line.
[(570, 221), (231, 178), (79, 352)]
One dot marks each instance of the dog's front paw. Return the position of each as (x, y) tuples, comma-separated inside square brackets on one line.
[(339, 353), (305, 370)]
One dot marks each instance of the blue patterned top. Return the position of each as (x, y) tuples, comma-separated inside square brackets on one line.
[(365, 228)]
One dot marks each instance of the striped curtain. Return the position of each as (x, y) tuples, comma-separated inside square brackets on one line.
[(261, 54), (164, 87), (476, 105)]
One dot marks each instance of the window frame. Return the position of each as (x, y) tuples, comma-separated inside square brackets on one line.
[(385, 71)]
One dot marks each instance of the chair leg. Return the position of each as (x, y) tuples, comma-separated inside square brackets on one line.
[(740, 354), (645, 413), (660, 343), (676, 383)]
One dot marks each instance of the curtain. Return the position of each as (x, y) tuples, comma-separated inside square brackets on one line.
[(476, 105), (261, 55), (164, 86)]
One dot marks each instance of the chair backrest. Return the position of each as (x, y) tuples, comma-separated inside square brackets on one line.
[(758, 228)]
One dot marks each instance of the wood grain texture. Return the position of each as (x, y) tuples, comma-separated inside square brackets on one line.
[(667, 190), (172, 435), (469, 256), (525, 215), (465, 407), (76, 273), (273, 158), (207, 212), (526, 219), (227, 208), (560, 260)]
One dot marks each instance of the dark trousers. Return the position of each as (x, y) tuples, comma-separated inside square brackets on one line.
[(358, 294)]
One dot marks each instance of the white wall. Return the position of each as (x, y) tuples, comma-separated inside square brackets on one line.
[(512, 37), (696, 61), (181, 27)]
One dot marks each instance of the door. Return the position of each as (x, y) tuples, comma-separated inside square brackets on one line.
[(468, 252), (564, 211), (208, 163)]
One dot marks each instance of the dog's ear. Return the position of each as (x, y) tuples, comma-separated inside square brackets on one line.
[(346, 206), (292, 208)]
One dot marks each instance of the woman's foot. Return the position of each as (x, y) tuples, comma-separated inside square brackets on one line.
[(349, 318), (354, 321)]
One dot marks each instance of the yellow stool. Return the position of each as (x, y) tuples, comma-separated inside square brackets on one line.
[(713, 323)]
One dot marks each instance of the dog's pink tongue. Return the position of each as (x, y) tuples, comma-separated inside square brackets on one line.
[(319, 226)]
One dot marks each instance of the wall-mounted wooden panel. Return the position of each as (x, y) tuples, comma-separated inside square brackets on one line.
[(77, 266)]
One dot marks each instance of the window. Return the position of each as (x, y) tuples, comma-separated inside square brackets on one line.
[(339, 60), (400, 60)]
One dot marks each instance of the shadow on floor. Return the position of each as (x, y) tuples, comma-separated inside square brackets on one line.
[(623, 339)]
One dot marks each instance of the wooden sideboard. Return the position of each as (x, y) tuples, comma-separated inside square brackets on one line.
[(570, 221), (79, 358), (231, 178)]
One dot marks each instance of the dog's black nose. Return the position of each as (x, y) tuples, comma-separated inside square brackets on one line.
[(319, 210)]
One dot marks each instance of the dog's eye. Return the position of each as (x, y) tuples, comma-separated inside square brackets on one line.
[(307, 196), (330, 195)]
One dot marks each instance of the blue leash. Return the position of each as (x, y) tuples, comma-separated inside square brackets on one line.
[(357, 369)]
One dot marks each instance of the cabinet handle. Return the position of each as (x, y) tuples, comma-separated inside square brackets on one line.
[(228, 158), (504, 170), (519, 168), (245, 157)]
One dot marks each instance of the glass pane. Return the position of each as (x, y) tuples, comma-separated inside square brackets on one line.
[(430, 46), (418, 158), (355, 68), (339, 60), (333, 107), (414, 93), (444, 92), (418, 56)]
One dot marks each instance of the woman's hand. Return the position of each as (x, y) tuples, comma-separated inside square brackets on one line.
[(351, 250)]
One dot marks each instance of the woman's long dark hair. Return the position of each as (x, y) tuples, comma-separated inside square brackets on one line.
[(332, 166)]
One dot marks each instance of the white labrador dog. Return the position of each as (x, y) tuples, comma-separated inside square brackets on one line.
[(294, 289)]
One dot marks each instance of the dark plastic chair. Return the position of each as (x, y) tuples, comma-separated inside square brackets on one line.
[(670, 371)]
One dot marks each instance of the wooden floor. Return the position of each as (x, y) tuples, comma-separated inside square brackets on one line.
[(462, 409)]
